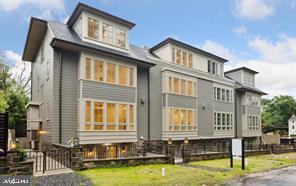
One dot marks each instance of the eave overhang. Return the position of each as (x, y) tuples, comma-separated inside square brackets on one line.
[(37, 30), (68, 45)]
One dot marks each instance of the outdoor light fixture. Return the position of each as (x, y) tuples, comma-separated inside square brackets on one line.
[(13, 146), (42, 132), (186, 140), (141, 138), (170, 141)]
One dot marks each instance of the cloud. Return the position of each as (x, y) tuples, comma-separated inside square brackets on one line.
[(254, 9), (219, 50), (20, 70), (10, 5), (241, 30), (283, 50), (276, 64)]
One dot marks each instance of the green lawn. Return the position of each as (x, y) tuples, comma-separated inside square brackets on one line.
[(180, 175)]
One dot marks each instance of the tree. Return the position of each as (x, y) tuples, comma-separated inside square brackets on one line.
[(276, 113)]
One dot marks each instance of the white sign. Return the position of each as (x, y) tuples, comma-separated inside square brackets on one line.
[(236, 147)]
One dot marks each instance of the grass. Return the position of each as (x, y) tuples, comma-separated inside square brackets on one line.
[(180, 175)]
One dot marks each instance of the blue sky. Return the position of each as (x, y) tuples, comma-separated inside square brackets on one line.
[(255, 33)]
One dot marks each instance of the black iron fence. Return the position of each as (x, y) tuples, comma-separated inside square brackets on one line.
[(3, 133)]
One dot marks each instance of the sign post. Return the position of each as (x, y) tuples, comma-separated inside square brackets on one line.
[(236, 149)]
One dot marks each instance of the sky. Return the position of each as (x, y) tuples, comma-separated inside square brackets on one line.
[(259, 34)]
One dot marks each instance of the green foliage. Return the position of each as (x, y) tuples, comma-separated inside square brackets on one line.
[(276, 113), (13, 97)]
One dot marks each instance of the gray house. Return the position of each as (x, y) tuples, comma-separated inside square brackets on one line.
[(89, 82)]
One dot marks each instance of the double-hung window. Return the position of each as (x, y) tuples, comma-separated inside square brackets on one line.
[(107, 35), (93, 29)]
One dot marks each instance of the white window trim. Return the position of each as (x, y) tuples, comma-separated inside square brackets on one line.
[(181, 56), (194, 123), (215, 121), (215, 93), (105, 61), (255, 128), (82, 114)]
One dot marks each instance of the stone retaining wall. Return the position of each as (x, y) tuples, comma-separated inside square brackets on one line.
[(14, 164)]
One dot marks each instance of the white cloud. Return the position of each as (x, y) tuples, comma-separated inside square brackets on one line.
[(254, 9), (284, 50), (240, 30), (20, 70), (219, 50), (276, 64), (10, 5)]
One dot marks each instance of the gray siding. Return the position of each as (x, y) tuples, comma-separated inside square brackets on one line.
[(104, 91), (253, 110), (181, 101), (142, 109), (69, 95), (238, 119), (205, 108), (223, 106), (39, 69), (237, 75)]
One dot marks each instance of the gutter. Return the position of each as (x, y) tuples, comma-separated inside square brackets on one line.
[(149, 106), (60, 98)]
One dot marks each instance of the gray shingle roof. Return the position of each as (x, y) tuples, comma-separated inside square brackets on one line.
[(63, 32)]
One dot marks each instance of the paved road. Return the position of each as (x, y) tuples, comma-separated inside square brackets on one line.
[(280, 177)]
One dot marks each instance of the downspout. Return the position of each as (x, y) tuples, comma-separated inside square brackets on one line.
[(149, 105), (235, 111), (60, 98), (31, 91)]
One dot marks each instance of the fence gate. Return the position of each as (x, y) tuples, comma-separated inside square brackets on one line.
[(54, 159), (3, 133)]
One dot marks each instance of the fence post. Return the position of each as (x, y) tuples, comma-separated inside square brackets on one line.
[(44, 161)]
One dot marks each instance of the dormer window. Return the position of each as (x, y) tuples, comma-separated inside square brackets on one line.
[(120, 37), (182, 57), (215, 68), (93, 29), (107, 33)]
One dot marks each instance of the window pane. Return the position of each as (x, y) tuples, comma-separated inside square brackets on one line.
[(184, 56), (190, 64), (183, 87), (176, 119), (98, 116), (190, 117), (92, 29), (183, 119), (87, 68), (189, 88), (111, 73), (213, 68), (107, 33), (131, 76), (194, 88), (173, 55), (87, 115), (179, 57), (122, 116), (111, 116), (209, 66), (176, 85), (122, 75), (98, 70), (120, 38), (131, 119), (195, 120), (170, 118)]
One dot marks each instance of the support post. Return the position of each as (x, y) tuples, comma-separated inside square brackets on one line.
[(44, 162), (243, 155), (230, 153)]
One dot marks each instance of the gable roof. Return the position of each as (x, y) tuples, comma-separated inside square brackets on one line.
[(242, 68), (187, 46), (83, 7)]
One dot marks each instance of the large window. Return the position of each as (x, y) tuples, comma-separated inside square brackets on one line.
[(181, 119), (223, 121), (123, 70), (108, 72), (182, 57), (120, 38), (98, 70), (107, 35), (253, 122), (87, 68), (87, 115), (215, 68), (253, 100), (181, 86), (109, 116), (92, 29), (223, 94)]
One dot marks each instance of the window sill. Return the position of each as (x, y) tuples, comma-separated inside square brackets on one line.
[(107, 83)]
